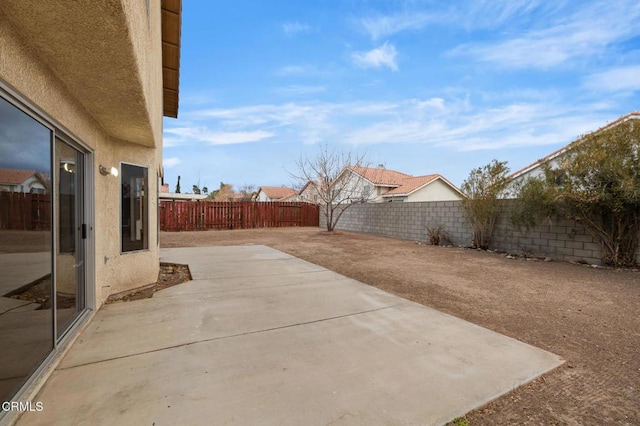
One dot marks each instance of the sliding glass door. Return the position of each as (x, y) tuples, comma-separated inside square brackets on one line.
[(43, 240), (71, 235)]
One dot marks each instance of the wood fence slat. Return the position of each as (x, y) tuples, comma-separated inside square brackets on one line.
[(205, 215)]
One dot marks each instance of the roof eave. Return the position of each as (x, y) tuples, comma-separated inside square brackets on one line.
[(171, 38)]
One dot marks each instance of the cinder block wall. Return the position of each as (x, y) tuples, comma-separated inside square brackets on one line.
[(559, 239)]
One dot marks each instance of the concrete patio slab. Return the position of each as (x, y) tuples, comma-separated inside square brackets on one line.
[(128, 328), (242, 283), (331, 350)]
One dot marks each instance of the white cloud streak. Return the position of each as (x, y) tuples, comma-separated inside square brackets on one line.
[(454, 123), (291, 28), (383, 56), (299, 90), (170, 162), (584, 34), (616, 79), (383, 26), (178, 136)]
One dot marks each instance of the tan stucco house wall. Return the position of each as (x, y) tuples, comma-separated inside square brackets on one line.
[(122, 122), (97, 77)]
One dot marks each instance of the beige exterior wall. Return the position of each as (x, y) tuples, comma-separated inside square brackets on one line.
[(435, 191), (22, 67)]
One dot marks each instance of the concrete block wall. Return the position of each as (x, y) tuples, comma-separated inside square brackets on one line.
[(406, 220), (560, 239)]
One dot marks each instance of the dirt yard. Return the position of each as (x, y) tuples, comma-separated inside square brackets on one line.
[(590, 317)]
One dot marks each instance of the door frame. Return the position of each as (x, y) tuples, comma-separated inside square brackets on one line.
[(88, 277)]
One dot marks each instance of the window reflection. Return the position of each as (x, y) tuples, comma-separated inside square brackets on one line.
[(134, 207), (26, 319)]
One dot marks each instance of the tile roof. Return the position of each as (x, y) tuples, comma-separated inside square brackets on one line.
[(315, 183), (410, 184), (15, 176), (633, 115), (380, 176), (278, 192)]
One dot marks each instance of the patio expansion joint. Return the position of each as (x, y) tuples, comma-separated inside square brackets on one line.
[(256, 276), (248, 333), (248, 289)]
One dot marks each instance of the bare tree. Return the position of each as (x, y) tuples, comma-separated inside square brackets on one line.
[(337, 185), (248, 192)]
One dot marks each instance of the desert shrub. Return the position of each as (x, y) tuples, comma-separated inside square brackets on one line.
[(484, 188)]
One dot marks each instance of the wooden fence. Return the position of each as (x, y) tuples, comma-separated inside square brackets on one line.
[(24, 211), (204, 215)]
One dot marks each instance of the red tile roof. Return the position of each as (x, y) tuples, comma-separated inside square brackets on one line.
[(278, 192), (410, 184), (380, 176), (14, 176), (633, 115)]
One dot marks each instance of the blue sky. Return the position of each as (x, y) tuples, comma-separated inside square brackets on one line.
[(420, 86)]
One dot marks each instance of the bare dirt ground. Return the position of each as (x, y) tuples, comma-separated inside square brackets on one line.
[(170, 274), (590, 317)]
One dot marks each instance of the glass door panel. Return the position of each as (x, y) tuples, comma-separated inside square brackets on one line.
[(26, 315), (70, 247)]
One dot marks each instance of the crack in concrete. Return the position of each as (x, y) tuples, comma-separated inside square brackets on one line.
[(250, 288), (255, 276), (247, 333)]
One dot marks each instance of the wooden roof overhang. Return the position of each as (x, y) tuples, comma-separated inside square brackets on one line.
[(171, 25)]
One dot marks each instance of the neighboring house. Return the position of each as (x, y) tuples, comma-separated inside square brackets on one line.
[(16, 180), (424, 188), (383, 185), (276, 193), (165, 195), (536, 169), (172, 196), (310, 193), (84, 87)]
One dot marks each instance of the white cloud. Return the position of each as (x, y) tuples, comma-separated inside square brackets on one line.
[(616, 79), (383, 26), (433, 103), (463, 129), (170, 162), (452, 122), (584, 34), (299, 90), (292, 70), (202, 134), (383, 56), (291, 28)]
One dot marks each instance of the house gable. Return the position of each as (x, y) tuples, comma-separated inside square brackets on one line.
[(535, 169)]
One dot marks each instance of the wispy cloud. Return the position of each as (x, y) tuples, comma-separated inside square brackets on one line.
[(383, 56), (452, 122), (179, 136), (299, 90), (616, 79), (495, 13), (479, 14), (291, 28), (514, 125), (584, 34), (292, 70), (170, 162), (385, 25)]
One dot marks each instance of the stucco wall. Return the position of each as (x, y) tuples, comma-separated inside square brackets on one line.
[(21, 68), (559, 239)]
